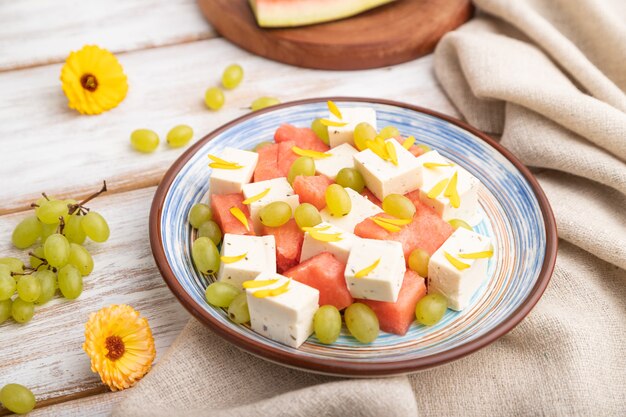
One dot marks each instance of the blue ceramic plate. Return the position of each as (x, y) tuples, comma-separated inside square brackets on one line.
[(516, 215)]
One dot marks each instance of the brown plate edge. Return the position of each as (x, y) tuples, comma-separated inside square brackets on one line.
[(333, 366)]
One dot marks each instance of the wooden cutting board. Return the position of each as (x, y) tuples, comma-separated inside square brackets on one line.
[(391, 34)]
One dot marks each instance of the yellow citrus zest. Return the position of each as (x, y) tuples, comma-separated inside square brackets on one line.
[(256, 197), (238, 214), (273, 292), (455, 262), (363, 272), (220, 163), (396, 222), (331, 123), (385, 225), (310, 153), (332, 107), (391, 151), (408, 142), (233, 259), (477, 255), (437, 189), (452, 193), (260, 283), (315, 228), (437, 164)]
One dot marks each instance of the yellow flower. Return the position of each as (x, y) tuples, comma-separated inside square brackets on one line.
[(93, 80), (120, 345)]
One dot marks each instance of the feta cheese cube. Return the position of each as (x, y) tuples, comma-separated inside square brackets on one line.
[(361, 209), (383, 177), (459, 285), (383, 283), (228, 181), (352, 116), (279, 190), (286, 318), (467, 188), (342, 157), (260, 256), (341, 249)]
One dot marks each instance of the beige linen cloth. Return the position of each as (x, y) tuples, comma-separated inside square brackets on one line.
[(549, 76)]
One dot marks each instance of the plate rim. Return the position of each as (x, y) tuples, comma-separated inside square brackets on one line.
[(340, 367)]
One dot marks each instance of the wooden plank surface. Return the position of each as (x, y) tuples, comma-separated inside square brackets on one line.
[(35, 32), (166, 88), (46, 354), (99, 405)]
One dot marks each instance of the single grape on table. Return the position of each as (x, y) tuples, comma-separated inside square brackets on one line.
[(144, 140), (17, 398), (263, 102), (214, 98), (179, 136), (232, 76)]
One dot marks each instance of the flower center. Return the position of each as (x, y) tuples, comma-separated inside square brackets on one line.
[(115, 346), (89, 82)]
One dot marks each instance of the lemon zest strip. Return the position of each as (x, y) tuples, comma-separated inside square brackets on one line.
[(477, 255), (273, 292), (455, 262), (233, 259), (330, 123), (363, 272), (310, 153), (387, 226), (391, 151), (451, 191), (437, 189), (260, 283), (395, 222), (437, 164), (408, 142), (238, 214), (256, 197), (332, 107)]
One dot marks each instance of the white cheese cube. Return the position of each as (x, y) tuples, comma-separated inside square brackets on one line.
[(341, 249), (286, 318), (228, 181), (467, 188), (260, 256), (458, 285), (383, 283), (383, 177), (352, 116), (342, 157), (361, 209), (279, 190)]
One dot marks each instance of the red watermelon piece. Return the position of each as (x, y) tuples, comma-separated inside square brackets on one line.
[(326, 273), (267, 166), (286, 157), (303, 137), (371, 197), (312, 189), (289, 239), (221, 205), (397, 317), (414, 149)]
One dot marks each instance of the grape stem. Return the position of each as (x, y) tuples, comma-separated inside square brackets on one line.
[(81, 206), (61, 225)]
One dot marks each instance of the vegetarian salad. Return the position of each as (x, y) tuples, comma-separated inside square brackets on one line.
[(340, 222)]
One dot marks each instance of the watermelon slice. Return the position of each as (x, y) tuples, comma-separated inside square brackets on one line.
[(286, 157), (397, 317), (284, 13), (326, 273), (289, 239), (221, 205), (267, 165), (303, 137), (414, 149), (371, 197), (312, 189)]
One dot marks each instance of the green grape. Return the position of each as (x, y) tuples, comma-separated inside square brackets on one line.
[(7, 283), (47, 230), (423, 147), (48, 283), (35, 262), (362, 322), (362, 133), (263, 102), (81, 259), (350, 178), (275, 214), (70, 282), (214, 98), (199, 214), (232, 76), (320, 130), (418, 262), (144, 140), (29, 288), (50, 211), (22, 311), (95, 227), (179, 136), (389, 132), (15, 265), (327, 324), (5, 310), (238, 309), (221, 294), (57, 250), (456, 223), (205, 255), (73, 229), (26, 232), (301, 166), (430, 309), (261, 145), (17, 398), (211, 230), (399, 206), (307, 215), (337, 200)]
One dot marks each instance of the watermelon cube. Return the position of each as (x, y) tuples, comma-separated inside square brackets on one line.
[(371, 197), (325, 273), (303, 137), (414, 149), (312, 189), (286, 157), (289, 239), (397, 317), (221, 205), (267, 165)]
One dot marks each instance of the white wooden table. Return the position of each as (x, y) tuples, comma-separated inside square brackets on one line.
[(171, 55)]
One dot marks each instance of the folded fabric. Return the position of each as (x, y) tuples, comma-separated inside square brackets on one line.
[(548, 76)]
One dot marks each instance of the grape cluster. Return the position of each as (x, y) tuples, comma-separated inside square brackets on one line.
[(58, 260)]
